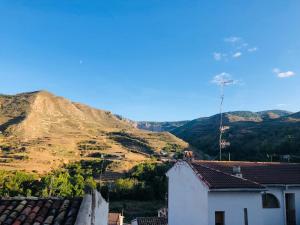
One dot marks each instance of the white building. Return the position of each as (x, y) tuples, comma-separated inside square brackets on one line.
[(234, 193)]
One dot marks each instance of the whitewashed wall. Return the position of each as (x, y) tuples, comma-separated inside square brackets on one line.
[(100, 209), (233, 204), (187, 197), (275, 216), (93, 210)]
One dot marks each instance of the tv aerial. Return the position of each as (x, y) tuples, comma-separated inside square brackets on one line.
[(222, 80)]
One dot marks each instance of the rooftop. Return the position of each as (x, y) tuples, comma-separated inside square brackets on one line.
[(151, 221), (255, 175), (91, 209), (27, 211)]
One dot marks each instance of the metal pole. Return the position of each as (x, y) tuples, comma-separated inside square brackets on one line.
[(221, 122)]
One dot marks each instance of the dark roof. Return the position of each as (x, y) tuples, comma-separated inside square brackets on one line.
[(216, 179), (28, 211), (218, 174), (151, 221), (262, 172)]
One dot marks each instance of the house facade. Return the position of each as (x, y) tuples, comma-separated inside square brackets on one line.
[(233, 193)]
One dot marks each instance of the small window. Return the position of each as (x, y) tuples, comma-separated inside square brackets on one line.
[(270, 201), (219, 218)]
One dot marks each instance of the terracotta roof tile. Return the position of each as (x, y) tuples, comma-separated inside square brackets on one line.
[(14, 211), (216, 179), (17, 222), (261, 172)]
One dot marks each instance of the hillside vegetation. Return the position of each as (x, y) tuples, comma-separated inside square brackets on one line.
[(253, 136), (40, 131)]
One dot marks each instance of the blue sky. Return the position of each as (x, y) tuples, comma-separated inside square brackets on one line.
[(154, 60)]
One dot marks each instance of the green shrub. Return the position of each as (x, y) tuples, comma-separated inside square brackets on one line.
[(74, 179), (146, 181)]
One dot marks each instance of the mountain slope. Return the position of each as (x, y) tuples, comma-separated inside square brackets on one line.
[(253, 136), (273, 114), (40, 130), (292, 117), (160, 126), (234, 116), (41, 113)]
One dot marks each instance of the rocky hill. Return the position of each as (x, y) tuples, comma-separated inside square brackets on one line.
[(40, 131), (253, 135)]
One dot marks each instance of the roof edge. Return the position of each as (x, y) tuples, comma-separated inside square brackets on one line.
[(237, 189), (198, 175)]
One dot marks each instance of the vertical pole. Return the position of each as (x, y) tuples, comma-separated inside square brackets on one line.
[(221, 122)]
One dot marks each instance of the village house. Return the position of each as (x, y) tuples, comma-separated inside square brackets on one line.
[(92, 209), (233, 193)]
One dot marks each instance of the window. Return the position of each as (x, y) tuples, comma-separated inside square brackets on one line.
[(270, 201), (245, 216), (219, 218)]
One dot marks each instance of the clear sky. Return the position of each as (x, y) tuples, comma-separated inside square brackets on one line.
[(154, 59)]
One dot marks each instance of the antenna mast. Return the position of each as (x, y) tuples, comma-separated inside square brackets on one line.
[(222, 143), (221, 121)]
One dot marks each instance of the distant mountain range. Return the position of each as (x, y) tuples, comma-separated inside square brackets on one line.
[(253, 135), (40, 131), (160, 126)]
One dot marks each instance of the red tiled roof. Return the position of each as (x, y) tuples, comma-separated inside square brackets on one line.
[(262, 172), (16, 211), (216, 179), (151, 221), (219, 175)]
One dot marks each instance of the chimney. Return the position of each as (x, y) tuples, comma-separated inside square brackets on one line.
[(236, 171), (188, 155)]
